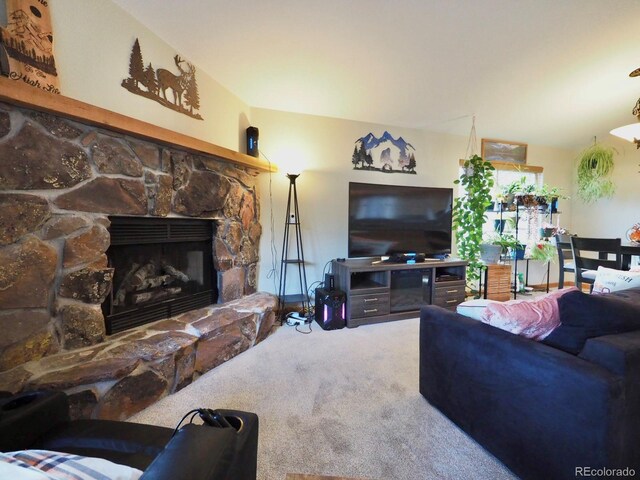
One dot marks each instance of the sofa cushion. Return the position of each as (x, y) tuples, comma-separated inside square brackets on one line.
[(609, 280), (585, 316)]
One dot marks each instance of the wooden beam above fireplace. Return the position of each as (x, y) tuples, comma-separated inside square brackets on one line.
[(20, 94)]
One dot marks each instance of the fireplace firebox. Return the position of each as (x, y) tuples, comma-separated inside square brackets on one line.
[(162, 267)]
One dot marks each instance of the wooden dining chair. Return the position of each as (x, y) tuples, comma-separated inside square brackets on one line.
[(591, 253), (565, 257)]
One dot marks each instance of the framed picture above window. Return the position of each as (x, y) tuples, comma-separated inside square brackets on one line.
[(503, 151)]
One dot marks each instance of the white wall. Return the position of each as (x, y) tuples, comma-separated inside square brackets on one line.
[(93, 41), (322, 147)]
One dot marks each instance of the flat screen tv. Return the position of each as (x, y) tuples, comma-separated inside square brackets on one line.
[(391, 219)]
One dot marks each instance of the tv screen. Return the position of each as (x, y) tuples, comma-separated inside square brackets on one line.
[(389, 219)]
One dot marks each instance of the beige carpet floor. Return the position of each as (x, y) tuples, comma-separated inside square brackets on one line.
[(342, 402)]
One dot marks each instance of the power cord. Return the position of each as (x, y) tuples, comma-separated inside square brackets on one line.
[(294, 319), (212, 418), (311, 291), (306, 333), (273, 272), (193, 413), (324, 269)]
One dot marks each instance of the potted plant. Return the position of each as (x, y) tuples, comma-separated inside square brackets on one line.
[(497, 245), (548, 230), (543, 250), (518, 251), (595, 165), (522, 192), (500, 204), (490, 253), (548, 195), (509, 191), (469, 211)]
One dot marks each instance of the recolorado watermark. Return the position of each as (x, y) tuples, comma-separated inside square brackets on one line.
[(605, 472)]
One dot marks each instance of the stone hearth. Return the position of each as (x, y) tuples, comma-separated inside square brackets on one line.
[(133, 369), (59, 182)]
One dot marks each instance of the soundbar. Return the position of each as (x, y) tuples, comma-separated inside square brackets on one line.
[(408, 258)]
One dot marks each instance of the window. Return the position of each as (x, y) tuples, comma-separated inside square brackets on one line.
[(529, 220)]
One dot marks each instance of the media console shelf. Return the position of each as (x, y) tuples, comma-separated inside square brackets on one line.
[(381, 292)]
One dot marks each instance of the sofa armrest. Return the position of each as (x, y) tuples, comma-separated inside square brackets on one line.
[(25, 417), (196, 452), (540, 410), (620, 354)]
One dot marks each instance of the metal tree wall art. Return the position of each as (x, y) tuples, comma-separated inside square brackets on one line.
[(26, 45), (177, 91)]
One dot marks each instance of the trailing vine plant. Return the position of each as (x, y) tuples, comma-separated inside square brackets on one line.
[(594, 169), (469, 211)]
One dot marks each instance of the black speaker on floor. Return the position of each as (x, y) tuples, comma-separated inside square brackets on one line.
[(331, 308), (252, 141)]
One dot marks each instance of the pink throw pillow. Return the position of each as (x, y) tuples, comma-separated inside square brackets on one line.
[(533, 319)]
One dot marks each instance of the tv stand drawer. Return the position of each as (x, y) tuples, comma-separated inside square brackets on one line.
[(449, 294), (369, 305)]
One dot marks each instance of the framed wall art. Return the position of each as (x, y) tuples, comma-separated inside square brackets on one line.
[(504, 151), (26, 45)]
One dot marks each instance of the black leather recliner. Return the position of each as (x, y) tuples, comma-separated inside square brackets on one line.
[(40, 420)]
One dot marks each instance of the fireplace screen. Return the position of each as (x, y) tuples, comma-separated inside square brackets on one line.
[(162, 267)]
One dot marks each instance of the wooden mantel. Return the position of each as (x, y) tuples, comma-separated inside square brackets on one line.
[(23, 95)]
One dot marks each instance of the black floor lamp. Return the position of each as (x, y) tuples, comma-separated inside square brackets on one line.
[(291, 258)]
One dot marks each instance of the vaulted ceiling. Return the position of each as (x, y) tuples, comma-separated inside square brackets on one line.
[(548, 72)]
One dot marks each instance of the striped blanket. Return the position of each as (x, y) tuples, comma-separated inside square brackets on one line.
[(47, 465)]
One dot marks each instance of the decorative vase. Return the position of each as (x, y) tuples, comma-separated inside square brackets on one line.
[(633, 234)]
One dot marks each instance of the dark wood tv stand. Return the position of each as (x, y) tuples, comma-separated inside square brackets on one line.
[(381, 292)]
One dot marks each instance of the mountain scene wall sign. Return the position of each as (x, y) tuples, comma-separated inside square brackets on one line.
[(384, 154), (26, 45), (175, 90)]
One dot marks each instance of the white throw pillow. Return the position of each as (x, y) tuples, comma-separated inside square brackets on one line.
[(473, 308), (610, 280)]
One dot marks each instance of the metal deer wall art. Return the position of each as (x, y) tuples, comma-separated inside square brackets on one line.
[(175, 90)]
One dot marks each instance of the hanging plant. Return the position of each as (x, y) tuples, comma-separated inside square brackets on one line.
[(469, 211), (595, 165)]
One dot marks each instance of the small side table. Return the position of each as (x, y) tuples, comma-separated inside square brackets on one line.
[(497, 282)]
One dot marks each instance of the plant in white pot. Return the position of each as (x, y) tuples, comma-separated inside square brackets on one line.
[(497, 245)]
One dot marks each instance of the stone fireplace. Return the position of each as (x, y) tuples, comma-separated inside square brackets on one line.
[(71, 194), (162, 267)]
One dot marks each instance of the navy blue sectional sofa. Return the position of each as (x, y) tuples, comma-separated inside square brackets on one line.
[(546, 410)]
